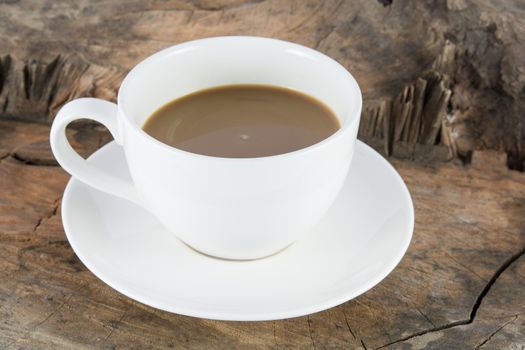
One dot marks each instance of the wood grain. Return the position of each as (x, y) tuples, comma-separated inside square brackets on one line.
[(447, 73), (443, 84), (460, 285)]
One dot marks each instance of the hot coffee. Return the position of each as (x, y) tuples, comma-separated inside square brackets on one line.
[(242, 121)]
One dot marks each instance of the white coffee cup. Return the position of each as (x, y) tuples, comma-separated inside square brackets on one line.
[(235, 208)]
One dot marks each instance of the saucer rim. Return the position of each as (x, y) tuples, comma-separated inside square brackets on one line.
[(236, 316)]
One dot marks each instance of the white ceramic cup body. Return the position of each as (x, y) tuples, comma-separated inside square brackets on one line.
[(231, 208)]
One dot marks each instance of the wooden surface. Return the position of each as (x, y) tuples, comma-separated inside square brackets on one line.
[(448, 72), (461, 284), (440, 79)]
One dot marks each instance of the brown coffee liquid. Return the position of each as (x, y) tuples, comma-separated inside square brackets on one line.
[(242, 121)]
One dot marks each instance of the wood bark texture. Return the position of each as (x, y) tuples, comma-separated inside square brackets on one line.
[(440, 80), (446, 73)]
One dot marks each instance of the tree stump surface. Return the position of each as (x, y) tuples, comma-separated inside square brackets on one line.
[(443, 84)]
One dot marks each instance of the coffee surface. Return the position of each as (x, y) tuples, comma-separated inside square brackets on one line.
[(242, 121)]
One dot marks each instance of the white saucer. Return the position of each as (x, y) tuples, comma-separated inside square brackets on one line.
[(359, 242)]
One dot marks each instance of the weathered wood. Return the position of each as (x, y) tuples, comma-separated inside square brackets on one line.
[(440, 79), (461, 284), (440, 72)]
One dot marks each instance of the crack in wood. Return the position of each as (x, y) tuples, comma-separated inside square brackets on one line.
[(213, 8), (7, 155), (385, 3), (32, 162), (415, 115), (495, 332), (27, 81), (467, 268), (6, 104), (308, 321), (51, 70), (351, 331), (506, 264), (425, 317), (5, 64), (115, 326), (17, 156), (348, 325), (323, 37), (51, 314), (274, 336), (48, 216)]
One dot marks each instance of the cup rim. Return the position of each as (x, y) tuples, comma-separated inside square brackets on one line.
[(355, 111)]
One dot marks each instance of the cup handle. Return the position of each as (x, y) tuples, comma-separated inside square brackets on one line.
[(105, 113)]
